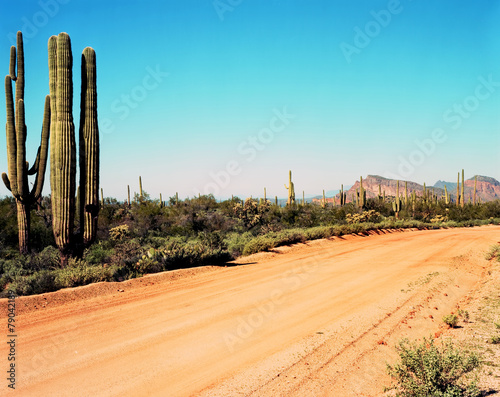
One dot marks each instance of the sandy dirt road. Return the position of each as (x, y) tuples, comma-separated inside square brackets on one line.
[(315, 319)]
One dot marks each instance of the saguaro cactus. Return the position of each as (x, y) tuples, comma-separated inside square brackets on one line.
[(342, 195), (63, 147), (361, 194), (17, 179), (63, 150), (462, 201), (406, 194), (291, 190), (458, 189), (475, 189), (89, 149), (396, 205)]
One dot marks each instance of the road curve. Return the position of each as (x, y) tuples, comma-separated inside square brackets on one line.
[(198, 335)]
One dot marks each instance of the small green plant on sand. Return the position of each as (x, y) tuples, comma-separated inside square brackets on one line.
[(428, 370), (451, 320)]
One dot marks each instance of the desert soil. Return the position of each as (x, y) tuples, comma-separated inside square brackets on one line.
[(315, 319)]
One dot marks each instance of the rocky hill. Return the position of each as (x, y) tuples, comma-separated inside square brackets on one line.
[(487, 188)]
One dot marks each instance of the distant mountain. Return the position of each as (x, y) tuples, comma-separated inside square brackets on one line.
[(487, 189)]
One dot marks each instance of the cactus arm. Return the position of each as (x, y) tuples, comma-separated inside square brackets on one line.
[(12, 66), (34, 169), (41, 160), (6, 181), (20, 68)]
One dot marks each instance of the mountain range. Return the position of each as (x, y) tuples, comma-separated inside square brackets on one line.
[(487, 188)]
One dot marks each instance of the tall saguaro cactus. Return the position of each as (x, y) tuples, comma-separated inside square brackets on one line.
[(63, 147), (17, 179), (89, 148)]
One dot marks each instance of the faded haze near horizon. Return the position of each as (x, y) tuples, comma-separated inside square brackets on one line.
[(226, 96)]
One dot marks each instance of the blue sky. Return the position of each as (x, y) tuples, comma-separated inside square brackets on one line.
[(226, 96)]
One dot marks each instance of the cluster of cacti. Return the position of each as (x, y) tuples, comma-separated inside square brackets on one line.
[(291, 190), (343, 196), (63, 147), (18, 170)]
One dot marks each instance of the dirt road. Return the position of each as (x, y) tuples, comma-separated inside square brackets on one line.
[(315, 319)]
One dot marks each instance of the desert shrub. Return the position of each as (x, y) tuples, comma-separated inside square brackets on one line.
[(119, 233), (427, 370), (494, 340), (236, 243), (318, 232), (98, 253), (365, 216), (451, 320), (38, 283), (80, 273), (494, 252), (258, 244)]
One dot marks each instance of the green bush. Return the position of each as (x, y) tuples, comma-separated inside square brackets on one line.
[(80, 273), (451, 320), (494, 252), (38, 283), (426, 370)]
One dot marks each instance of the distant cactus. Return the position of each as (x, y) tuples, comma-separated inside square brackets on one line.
[(323, 203), (458, 189), (462, 201), (406, 194), (396, 204), (291, 190), (140, 187), (361, 194), (342, 196), (475, 189), (128, 191), (446, 196), (17, 179)]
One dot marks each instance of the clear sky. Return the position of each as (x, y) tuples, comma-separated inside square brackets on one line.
[(226, 96)]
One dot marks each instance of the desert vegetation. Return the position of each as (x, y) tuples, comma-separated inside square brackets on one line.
[(74, 237), (149, 236)]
